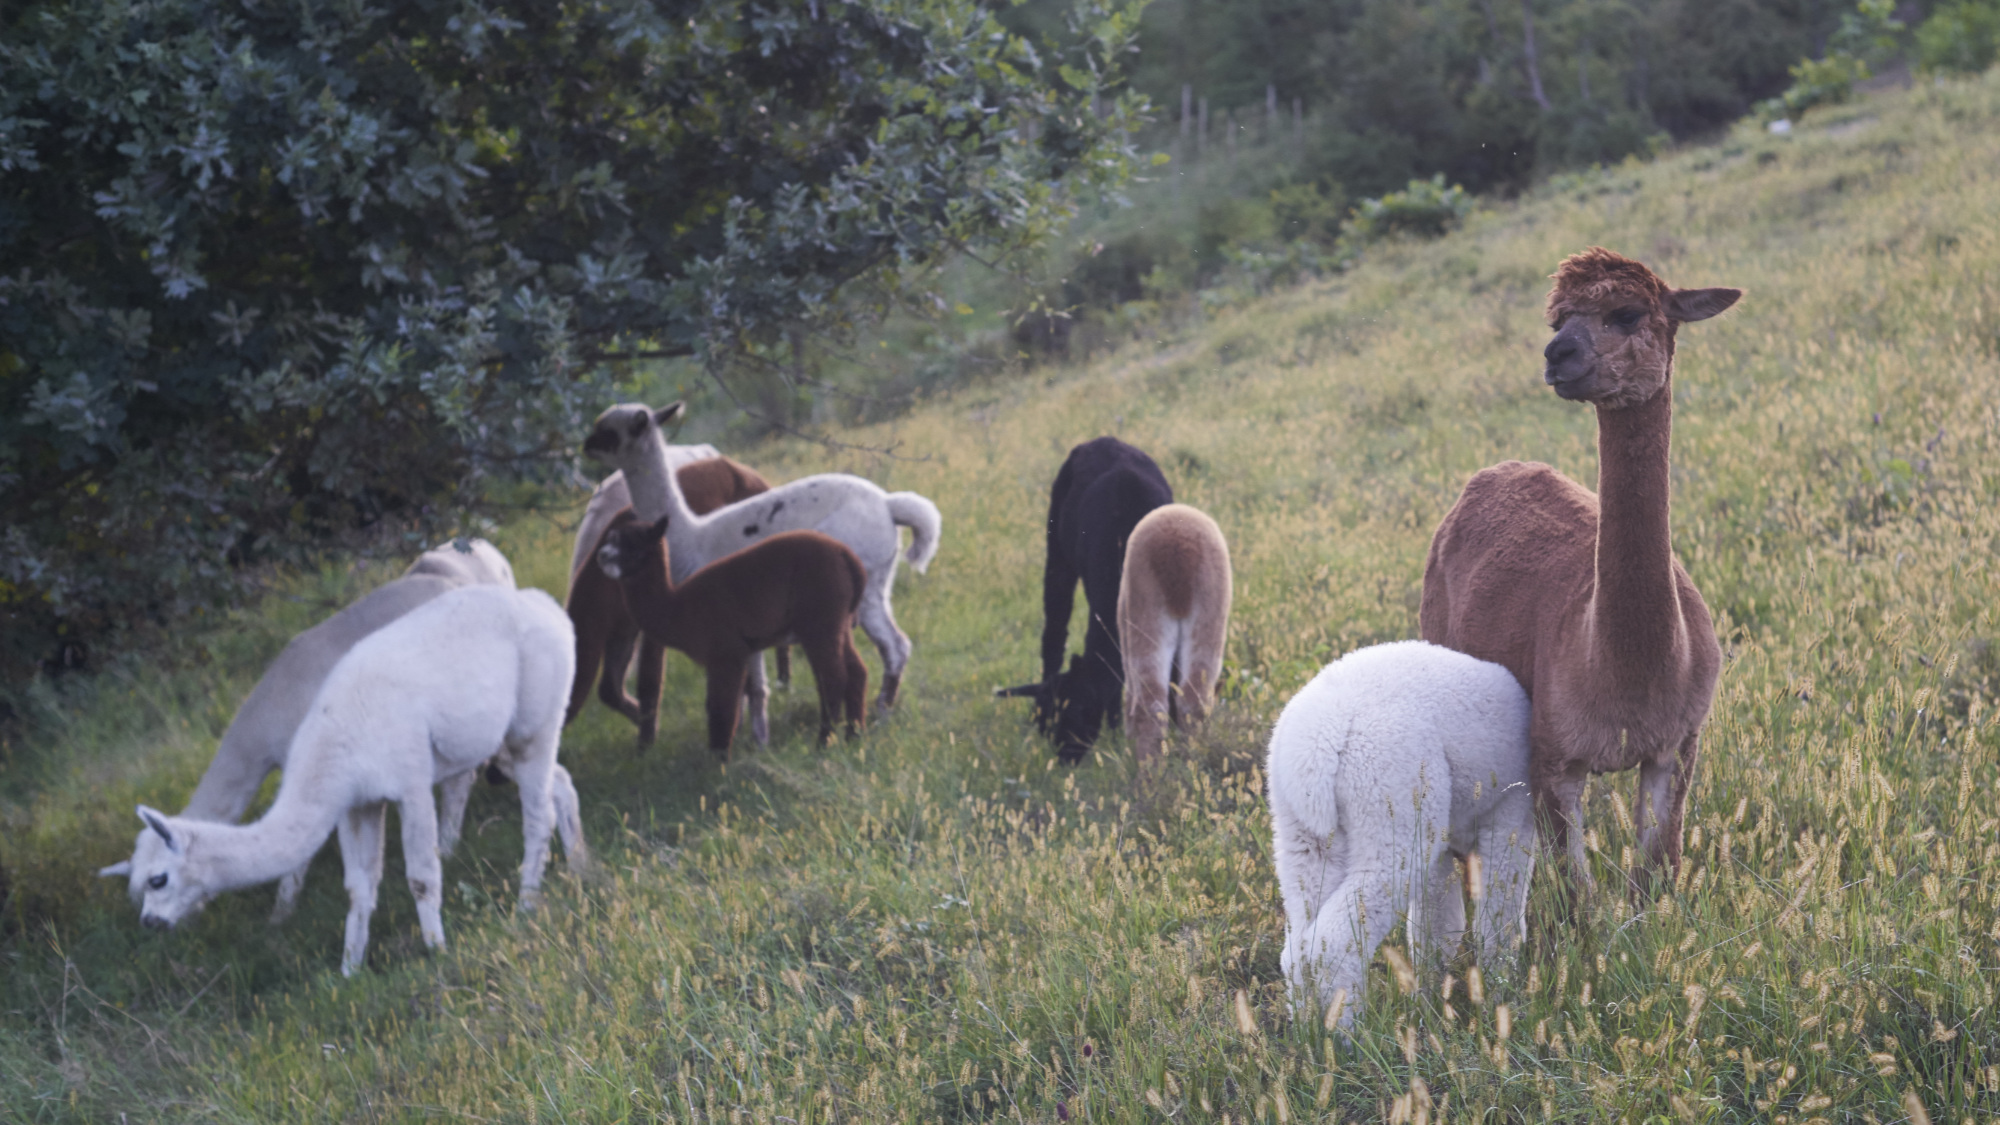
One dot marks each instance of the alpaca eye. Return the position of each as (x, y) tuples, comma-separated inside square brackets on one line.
[(157, 881), (1626, 318)]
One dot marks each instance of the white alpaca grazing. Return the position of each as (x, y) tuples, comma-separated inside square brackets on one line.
[(478, 673), (1392, 763), (851, 509), (260, 735)]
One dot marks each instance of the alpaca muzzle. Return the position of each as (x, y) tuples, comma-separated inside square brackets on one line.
[(155, 922)]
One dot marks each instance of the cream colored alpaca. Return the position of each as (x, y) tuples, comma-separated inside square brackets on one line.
[(1173, 617)]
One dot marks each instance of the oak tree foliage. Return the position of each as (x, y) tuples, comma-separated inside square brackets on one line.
[(276, 274)]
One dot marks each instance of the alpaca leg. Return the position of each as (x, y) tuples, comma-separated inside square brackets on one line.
[(784, 657), (1310, 865), (1201, 661), (361, 855), (880, 624), (725, 689), (568, 811), (453, 793), (1344, 935), (534, 777), (1562, 804), (421, 865), (586, 668), (829, 668), (652, 674), (618, 647), (289, 886), (756, 702), (1507, 847), (1657, 812), (856, 695), (1148, 692), (1444, 907)]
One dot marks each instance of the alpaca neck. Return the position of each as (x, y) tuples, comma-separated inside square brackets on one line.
[(656, 491), (656, 605), (1636, 614), (225, 791), (280, 842)]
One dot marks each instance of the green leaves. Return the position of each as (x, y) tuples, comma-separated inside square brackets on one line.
[(383, 253)]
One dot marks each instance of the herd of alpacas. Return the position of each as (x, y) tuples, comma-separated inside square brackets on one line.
[(1561, 638)]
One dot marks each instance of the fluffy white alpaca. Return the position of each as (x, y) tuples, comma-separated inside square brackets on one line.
[(260, 735), (477, 673), (1391, 762), (612, 497), (851, 509)]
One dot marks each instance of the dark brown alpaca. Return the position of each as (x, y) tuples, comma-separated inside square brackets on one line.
[(795, 587), (1578, 593), (605, 630)]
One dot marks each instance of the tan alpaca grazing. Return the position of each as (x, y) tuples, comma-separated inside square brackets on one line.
[(1578, 593), (1173, 617)]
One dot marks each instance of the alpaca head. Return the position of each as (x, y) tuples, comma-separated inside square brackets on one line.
[(631, 546), (1070, 710), (1615, 322), (623, 432), (169, 891)]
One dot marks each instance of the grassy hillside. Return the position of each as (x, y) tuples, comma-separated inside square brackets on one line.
[(934, 923)]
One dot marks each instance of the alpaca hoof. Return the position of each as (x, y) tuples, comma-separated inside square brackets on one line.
[(890, 686), (531, 901), (648, 731)]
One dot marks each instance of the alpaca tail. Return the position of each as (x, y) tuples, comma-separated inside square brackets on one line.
[(921, 516)]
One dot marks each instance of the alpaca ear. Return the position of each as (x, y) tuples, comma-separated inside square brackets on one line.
[(158, 824), (1023, 691), (669, 413), (120, 870), (658, 530), (1688, 305)]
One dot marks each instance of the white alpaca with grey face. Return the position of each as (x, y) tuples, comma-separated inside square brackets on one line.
[(260, 736), (478, 673)]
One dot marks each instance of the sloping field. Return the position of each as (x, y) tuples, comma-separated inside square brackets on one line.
[(933, 923)]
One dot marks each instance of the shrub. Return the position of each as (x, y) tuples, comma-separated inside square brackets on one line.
[(1310, 211), (1960, 38), (1426, 208)]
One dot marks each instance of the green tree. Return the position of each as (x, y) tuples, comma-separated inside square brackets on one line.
[(275, 274)]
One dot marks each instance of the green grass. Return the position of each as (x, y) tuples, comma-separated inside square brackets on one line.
[(933, 923)]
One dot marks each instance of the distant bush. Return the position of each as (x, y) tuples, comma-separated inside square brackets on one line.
[(1309, 211), (1426, 208), (1962, 37), (1867, 37)]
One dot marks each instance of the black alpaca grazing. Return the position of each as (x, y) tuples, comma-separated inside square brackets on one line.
[(1104, 489)]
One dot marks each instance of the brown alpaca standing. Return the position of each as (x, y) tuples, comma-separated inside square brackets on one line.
[(795, 587), (1173, 617), (606, 631), (1579, 594)]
